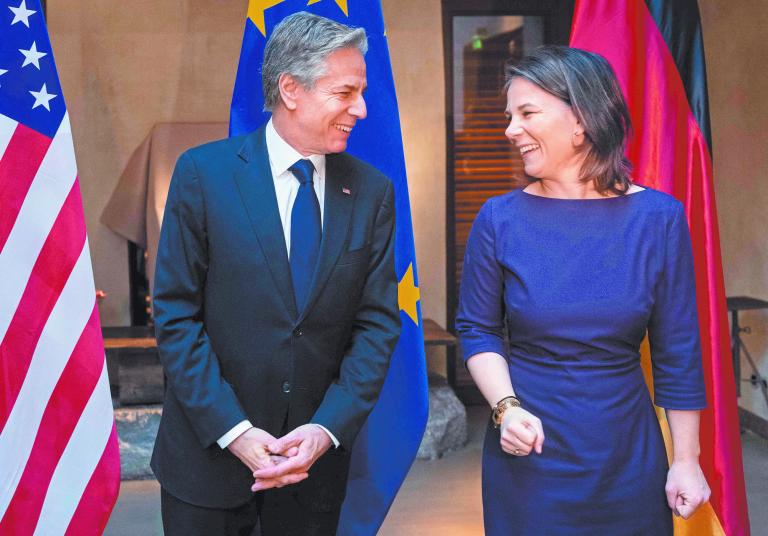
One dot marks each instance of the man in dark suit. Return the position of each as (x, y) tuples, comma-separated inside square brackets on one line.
[(275, 301)]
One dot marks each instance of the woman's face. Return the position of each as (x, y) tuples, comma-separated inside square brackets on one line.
[(545, 130)]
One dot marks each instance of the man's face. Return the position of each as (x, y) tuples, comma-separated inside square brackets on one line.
[(326, 114)]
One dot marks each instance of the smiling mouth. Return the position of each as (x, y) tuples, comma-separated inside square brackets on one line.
[(528, 148), (343, 128)]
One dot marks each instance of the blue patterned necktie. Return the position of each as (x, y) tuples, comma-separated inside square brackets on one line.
[(306, 232)]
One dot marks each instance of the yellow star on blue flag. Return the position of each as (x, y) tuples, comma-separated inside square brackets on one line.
[(256, 9), (408, 295), (387, 445), (341, 3)]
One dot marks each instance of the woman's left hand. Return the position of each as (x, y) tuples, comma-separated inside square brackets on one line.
[(686, 488)]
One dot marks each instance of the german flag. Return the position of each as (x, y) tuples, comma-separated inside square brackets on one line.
[(656, 49)]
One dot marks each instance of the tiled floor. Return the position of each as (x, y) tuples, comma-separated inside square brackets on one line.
[(439, 498)]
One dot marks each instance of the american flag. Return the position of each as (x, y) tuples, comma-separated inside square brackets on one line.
[(59, 458)]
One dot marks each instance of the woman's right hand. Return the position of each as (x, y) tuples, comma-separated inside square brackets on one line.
[(521, 432)]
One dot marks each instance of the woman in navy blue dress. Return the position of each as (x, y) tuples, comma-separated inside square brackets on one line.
[(561, 281)]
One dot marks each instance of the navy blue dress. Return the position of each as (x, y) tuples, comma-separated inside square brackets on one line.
[(565, 290)]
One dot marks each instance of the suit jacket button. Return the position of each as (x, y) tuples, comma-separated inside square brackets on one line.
[(298, 332), (286, 387)]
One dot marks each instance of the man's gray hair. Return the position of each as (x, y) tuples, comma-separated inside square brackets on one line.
[(299, 46)]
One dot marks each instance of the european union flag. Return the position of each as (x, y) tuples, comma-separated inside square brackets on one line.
[(387, 445)]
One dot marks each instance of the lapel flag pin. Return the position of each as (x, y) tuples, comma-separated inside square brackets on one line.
[(346, 190)]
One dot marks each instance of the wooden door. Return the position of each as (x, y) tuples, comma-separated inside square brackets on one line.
[(479, 38)]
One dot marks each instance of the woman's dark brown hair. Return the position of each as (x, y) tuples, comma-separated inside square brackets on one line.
[(586, 82)]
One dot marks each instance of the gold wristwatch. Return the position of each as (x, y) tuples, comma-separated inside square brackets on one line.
[(501, 406)]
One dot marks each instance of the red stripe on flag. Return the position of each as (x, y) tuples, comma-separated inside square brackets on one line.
[(670, 153), (18, 167), (100, 494), (49, 275), (68, 400), (721, 455)]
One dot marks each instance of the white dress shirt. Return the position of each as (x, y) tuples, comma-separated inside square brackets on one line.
[(281, 157)]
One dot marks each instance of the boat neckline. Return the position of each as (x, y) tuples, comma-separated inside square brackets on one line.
[(645, 189)]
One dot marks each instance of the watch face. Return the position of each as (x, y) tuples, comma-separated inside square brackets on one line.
[(496, 415)]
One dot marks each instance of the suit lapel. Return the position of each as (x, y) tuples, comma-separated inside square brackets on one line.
[(339, 199), (257, 189)]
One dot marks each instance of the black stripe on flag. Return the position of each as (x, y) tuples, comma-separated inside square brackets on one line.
[(680, 26)]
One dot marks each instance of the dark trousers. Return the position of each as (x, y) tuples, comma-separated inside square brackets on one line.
[(276, 512)]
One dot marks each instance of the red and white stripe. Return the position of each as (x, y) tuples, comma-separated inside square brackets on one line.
[(59, 460)]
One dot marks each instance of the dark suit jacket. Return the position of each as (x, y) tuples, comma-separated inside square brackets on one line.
[(232, 343)]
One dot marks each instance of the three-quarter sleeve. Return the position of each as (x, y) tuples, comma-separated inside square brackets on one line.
[(479, 320), (673, 329)]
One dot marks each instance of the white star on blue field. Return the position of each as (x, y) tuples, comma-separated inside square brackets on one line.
[(30, 91)]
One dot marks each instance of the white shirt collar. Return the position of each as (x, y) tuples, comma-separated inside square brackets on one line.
[(282, 155)]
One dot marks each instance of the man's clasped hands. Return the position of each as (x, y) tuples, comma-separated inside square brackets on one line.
[(279, 462)]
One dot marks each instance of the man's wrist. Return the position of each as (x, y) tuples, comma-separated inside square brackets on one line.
[(235, 432), (335, 441)]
